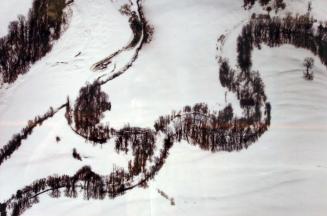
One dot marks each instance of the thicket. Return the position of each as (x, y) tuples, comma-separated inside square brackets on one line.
[(296, 30), (87, 113), (141, 142), (30, 38)]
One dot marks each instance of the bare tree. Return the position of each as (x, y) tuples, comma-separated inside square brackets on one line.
[(308, 64), (309, 7), (76, 155)]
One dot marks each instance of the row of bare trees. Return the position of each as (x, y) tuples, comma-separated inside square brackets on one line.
[(142, 34), (30, 38), (16, 141), (89, 184), (295, 30), (92, 185)]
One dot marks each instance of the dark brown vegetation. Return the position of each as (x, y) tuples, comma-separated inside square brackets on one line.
[(165, 195), (308, 63), (58, 139), (92, 185), (198, 125), (7, 150), (210, 130), (141, 142), (267, 4), (142, 34), (76, 155), (274, 32), (87, 113), (30, 38)]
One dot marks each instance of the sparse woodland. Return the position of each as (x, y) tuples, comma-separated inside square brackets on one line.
[(88, 110), (210, 130), (31, 37), (295, 30)]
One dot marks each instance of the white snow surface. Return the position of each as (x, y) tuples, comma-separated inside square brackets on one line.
[(284, 173), (9, 11)]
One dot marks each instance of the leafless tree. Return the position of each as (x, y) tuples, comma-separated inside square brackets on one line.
[(308, 64)]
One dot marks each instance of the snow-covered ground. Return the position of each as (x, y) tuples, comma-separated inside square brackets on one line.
[(96, 30), (10, 10), (284, 173)]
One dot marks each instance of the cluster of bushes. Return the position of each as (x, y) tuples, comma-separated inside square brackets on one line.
[(268, 4), (76, 155), (87, 113), (17, 139), (29, 39), (295, 30)]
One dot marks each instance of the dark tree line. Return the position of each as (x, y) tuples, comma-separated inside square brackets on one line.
[(85, 182), (7, 150), (138, 24), (142, 33), (30, 38), (148, 29), (220, 131), (295, 30), (92, 185), (223, 131), (137, 28)]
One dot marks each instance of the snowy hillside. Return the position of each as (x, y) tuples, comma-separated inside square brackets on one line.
[(130, 67)]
